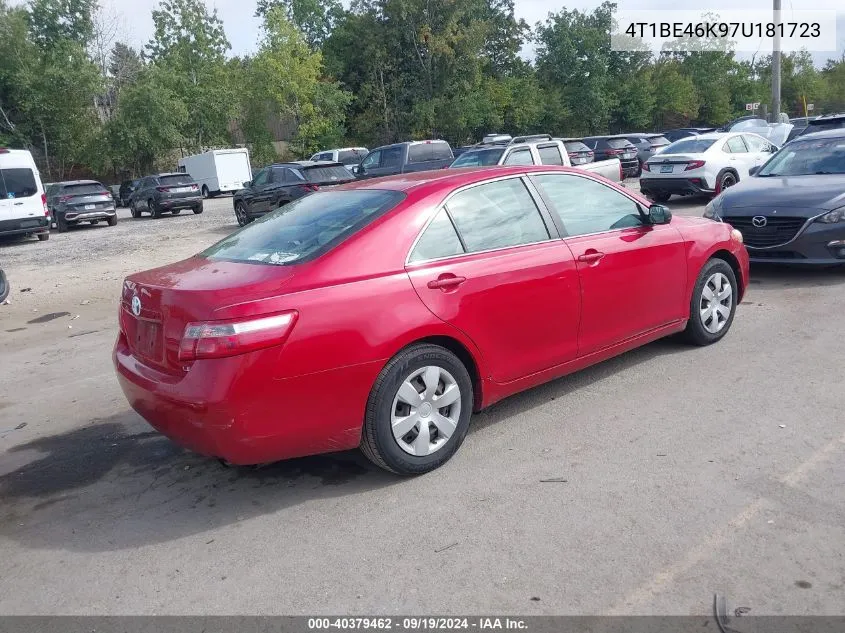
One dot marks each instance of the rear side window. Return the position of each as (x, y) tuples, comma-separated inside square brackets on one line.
[(17, 183), (327, 174), (735, 145), (497, 215), (176, 179), (307, 227), (550, 155), (83, 189), (439, 240), (424, 152)]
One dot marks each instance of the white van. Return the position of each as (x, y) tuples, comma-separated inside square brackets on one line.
[(23, 204), (218, 171)]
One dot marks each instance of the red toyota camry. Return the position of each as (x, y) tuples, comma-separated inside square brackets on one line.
[(382, 313)]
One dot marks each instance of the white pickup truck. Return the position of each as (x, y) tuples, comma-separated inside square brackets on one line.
[(532, 150)]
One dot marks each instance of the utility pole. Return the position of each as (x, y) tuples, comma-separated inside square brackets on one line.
[(776, 63)]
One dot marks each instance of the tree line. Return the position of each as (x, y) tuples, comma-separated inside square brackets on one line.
[(378, 72)]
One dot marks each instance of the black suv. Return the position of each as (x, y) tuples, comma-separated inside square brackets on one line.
[(127, 188), (76, 201), (279, 184), (822, 123), (606, 147), (401, 158), (165, 192)]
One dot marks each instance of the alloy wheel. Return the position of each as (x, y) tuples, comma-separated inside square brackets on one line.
[(426, 410), (716, 303)]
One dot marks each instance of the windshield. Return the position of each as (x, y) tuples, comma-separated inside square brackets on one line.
[(351, 156), (806, 157), (176, 179), (689, 146), (479, 158), (306, 227), (327, 174), (83, 189)]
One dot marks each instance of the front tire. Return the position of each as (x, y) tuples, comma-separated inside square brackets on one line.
[(43, 237), (418, 411), (713, 303), (136, 213), (241, 214)]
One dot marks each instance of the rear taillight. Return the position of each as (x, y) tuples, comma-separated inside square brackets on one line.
[(163, 189), (218, 339), (64, 198), (44, 204), (613, 152), (310, 187), (694, 164), (194, 187), (646, 167)]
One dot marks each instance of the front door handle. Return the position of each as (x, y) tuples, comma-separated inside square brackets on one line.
[(17, 204), (591, 257), (445, 282)]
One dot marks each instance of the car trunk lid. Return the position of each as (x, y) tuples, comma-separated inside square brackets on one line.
[(156, 305)]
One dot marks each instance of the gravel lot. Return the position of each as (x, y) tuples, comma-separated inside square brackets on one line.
[(687, 472)]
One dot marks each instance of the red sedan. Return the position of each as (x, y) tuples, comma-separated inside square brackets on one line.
[(382, 313)]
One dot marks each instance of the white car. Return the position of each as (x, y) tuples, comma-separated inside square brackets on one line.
[(23, 202), (703, 165), (349, 157)]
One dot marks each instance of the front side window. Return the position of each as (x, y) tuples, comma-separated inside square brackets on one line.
[(372, 161), (350, 156), (392, 157), (735, 145), (306, 227), (519, 157), (756, 143), (497, 215), (586, 206), (261, 178), (549, 155), (438, 240)]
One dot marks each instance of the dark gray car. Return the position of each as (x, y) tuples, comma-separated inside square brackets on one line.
[(76, 201), (647, 144), (165, 193), (792, 210), (401, 158)]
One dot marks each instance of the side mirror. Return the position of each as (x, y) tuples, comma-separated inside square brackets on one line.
[(357, 169), (658, 214), (774, 149), (754, 170), (246, 184)]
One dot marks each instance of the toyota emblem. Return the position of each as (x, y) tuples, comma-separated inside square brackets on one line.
[(136, 305), (759, 221)]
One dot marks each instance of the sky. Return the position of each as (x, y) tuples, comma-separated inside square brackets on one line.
[(135, 26)]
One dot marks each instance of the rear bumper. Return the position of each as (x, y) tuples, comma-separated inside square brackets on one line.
[(180, 203), (219, 410), (99, 214), (24, 226), (678, 186), (630, 166)]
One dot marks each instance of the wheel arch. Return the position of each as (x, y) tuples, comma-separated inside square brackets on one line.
[(462, 351), (733, 262), (722, 172)]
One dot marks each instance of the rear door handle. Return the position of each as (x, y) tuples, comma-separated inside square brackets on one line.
[(17, 204), (446, 282), (590, 257)]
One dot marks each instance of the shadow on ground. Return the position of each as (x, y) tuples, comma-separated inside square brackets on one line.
[(102, 487)]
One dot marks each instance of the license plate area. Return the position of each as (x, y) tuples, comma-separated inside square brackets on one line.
[(666, 169), (90, 207), (147, 340)]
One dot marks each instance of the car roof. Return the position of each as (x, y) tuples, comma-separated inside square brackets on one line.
[(607, 137), (308, 163), (451, 178), (715, 136), (827, 117), (426, 141), (171, 173), (835, 133)]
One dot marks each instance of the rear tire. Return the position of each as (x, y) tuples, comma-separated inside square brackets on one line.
[(154, 210), (176, 212), (198, 209), (726, 180), (136, 213), (436, 431), (43, 237), (113, 220), (660, 198), (205, 192), (61, 224), (713, 303)]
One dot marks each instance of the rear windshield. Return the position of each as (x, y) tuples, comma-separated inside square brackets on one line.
[(351, 156), (327, 174), (618, 143), (17, 183), (689, 146), (177, 179), (83, 189), (576, 146), (424, 152), (820, 126), (658, 140), (480, 158), (307, 227)]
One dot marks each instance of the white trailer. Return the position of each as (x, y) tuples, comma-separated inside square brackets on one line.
[(219, 170)]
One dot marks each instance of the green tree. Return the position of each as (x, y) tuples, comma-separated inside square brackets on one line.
[(57, 21), (315, 19), (675, 96), (190, 45)]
